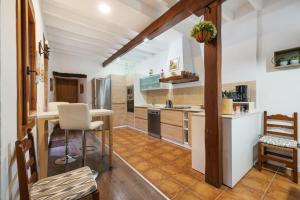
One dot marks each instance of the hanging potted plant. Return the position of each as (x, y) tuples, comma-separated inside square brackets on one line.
[(204, 31)]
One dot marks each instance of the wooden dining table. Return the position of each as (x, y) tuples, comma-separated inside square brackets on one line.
[(43, 136)]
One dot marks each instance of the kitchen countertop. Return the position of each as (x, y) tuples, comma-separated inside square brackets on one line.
[(161, 107), (234, 116), (185, 109)]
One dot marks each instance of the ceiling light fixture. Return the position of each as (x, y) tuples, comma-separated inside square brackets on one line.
[(146, 40), (104, 8)]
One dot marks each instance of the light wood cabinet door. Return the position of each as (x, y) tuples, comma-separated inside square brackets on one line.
[(170, 132), (141, 113), (130, 119), (120, 114), (118, 89), (172, 117), (141, 124)]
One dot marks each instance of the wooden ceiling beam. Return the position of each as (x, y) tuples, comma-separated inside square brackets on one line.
[(176, 14)]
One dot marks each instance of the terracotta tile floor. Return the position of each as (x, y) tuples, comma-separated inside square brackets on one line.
[(168, 167)]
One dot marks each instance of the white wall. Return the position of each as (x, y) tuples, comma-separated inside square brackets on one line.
[(239, 49), (9, 181), (280, 90), (248, 46), (66, 63)]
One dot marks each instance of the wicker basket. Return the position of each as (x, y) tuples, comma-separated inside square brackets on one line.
[(203, 36)]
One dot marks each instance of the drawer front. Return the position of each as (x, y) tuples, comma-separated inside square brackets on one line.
[(141, 113), (141, 124), (171, 117), (170, 132)]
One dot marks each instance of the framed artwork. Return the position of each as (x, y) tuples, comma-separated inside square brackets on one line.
[(174, 64)]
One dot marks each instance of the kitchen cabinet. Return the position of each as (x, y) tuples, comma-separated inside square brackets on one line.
[(118, 99), (173, 133), (141, 118), (141, 124), (151, 83), (120, 113), (130, 119), (240, 136), (171, 123), (118, 89), (141, 113), (171, 117)]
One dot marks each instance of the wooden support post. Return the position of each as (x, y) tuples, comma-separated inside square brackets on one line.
[(213, 98)]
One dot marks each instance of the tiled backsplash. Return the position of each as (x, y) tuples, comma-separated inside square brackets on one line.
[(194, 95)]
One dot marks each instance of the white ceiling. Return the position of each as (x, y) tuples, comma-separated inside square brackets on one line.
[(76, 27)]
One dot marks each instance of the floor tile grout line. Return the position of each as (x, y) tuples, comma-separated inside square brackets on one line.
[(221, 193), (269, 185), (144, 178)]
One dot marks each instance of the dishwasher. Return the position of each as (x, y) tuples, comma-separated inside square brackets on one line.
[(154, 123)]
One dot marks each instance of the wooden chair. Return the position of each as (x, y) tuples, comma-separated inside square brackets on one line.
[(280, 135), (80, 181)]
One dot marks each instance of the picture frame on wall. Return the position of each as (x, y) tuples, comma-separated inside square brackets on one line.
[(174, 64)]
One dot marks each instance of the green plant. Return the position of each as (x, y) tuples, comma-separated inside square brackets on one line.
[(202, 26), (294, 57), (282, 59)]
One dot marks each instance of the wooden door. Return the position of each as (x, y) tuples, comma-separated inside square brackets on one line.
[(26, 66), (66, 90)]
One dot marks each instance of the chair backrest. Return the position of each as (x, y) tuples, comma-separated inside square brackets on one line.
[(25, 182), (281, 125), (52, 106), (74, 116)]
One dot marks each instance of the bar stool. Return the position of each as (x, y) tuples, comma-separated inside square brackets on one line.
[(52, 107), (77, 117)]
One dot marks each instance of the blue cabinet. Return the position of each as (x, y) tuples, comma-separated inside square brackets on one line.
[(150, 83)]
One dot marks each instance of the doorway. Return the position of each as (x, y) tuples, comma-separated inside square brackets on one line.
[(66, 90)]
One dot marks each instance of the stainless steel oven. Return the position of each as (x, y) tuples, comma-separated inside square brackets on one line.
[(130, 98), (154, 123), (130, 105)]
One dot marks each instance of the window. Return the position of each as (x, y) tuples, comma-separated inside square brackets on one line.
[(26, 66)]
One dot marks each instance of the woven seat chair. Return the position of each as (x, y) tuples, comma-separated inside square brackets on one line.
[(76, 184), (279, 142)]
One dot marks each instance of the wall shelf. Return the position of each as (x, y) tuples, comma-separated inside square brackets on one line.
[(179, 79), (285, 54), (286, 66)]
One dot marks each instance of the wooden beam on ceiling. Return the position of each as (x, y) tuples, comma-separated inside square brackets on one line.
[(179, 12)]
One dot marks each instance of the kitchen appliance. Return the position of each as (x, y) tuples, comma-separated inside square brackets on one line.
[(241, 93), (130, 98), (101, 91), (169, 104), (154, 123)]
